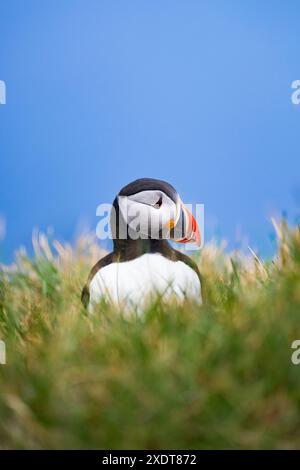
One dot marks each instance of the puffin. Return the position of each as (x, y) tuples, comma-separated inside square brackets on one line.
[(143, 265)]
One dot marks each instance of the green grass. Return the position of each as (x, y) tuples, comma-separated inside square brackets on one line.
[(216, 376)]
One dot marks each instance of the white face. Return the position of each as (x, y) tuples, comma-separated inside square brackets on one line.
[(148, 214)]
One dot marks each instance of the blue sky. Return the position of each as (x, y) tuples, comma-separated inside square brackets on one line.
[(194, 92)]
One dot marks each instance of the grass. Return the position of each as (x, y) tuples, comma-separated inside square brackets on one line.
[(216, 376)]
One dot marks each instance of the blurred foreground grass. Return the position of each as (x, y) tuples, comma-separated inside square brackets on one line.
[(218, 376)]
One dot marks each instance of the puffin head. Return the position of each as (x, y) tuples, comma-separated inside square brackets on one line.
[(152, 209)]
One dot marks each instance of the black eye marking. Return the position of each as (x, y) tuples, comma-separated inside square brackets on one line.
[(158, 204)]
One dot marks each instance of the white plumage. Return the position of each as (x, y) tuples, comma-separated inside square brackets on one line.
[(132, 284)]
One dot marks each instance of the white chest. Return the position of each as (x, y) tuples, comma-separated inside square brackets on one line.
[(133, 283)]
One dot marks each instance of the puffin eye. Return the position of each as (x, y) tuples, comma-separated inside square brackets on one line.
[(158, 204)]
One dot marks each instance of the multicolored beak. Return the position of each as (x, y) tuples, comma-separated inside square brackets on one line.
[(185, 229)]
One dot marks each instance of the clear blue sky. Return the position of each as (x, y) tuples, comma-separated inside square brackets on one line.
[(194, 92)]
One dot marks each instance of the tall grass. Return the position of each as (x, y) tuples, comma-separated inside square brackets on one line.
[(215, 376)]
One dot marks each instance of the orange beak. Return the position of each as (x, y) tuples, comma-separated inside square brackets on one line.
[(186, 229)]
